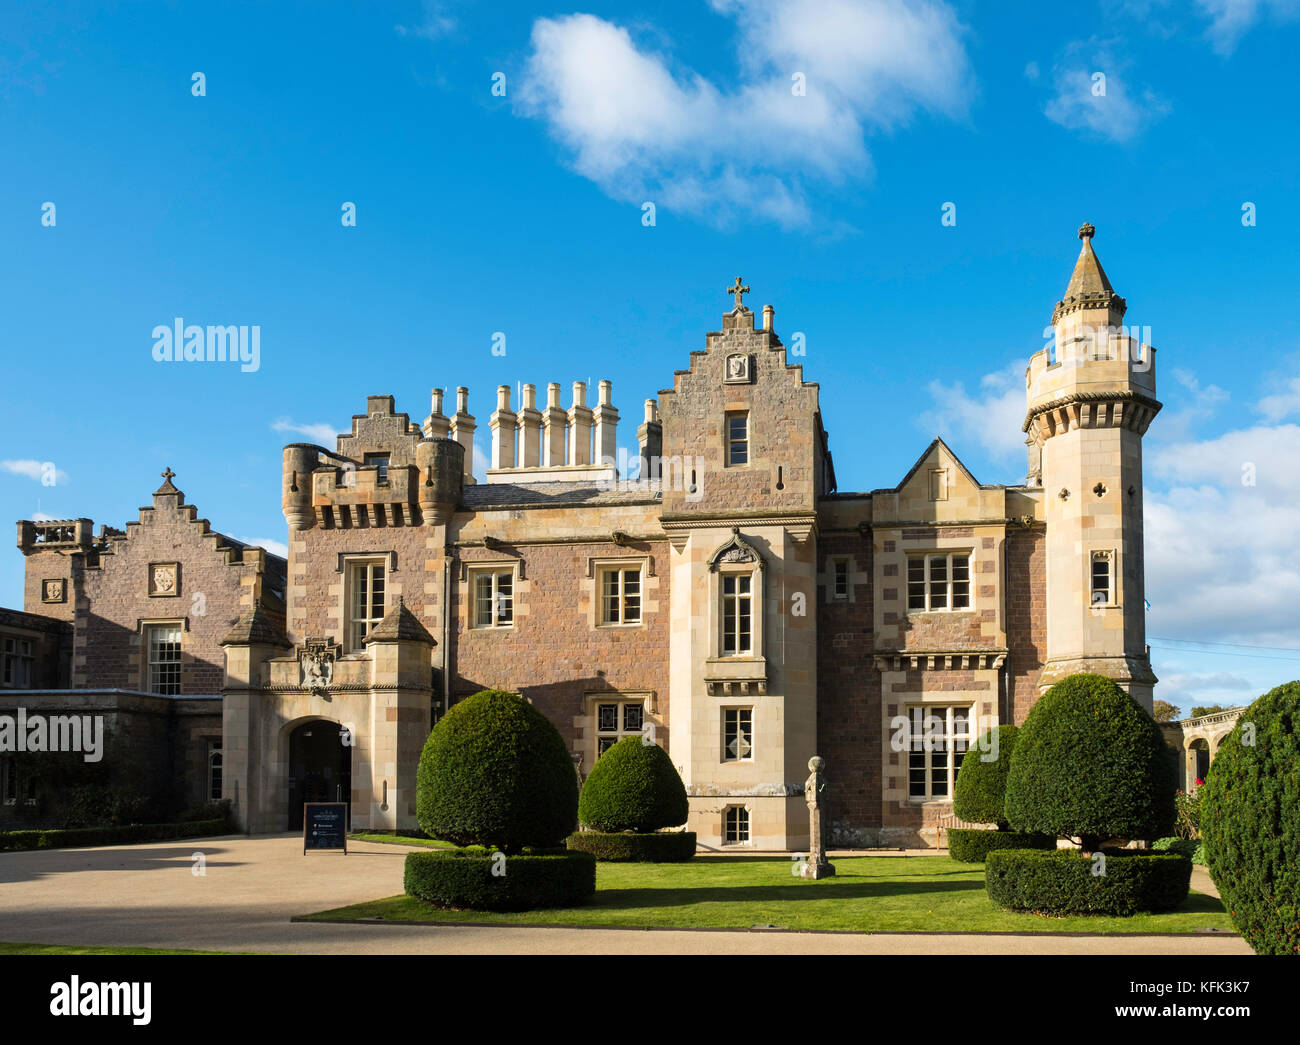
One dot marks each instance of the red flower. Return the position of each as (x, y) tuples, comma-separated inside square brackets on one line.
[(1199, 781)]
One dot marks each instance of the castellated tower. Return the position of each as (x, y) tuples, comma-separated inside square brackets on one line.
[(1091, 396)]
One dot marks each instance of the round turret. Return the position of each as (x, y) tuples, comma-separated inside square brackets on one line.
[(441, 463), (295, 485)]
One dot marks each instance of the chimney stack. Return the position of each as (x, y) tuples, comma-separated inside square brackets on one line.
[(606, 426), (503, 430), (530, 429), (462, 430), (553, 422), (579, 426)]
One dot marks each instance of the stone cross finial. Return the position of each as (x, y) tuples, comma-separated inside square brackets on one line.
[(167, 473), (738, 290), (1086, 231)]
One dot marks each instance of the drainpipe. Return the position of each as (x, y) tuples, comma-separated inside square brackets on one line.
[(446, 630)]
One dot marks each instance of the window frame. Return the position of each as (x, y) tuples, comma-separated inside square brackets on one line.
[(949, 580), (494, 570), (620, 571), (745, 730), (216, 760), (729, 442), (741, 811), (352, 566), (381, 461), (836, 563), (749, 596), (1108, 559), (621, 728), (151, 683), (17, 662), (951, 738)]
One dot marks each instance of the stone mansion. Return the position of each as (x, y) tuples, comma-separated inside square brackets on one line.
[(727, 600)]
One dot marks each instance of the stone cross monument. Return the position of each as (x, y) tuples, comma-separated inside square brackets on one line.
[(817, 866)]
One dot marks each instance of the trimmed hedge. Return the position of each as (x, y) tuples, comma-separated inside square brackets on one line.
[(1250, 822), (980, 792), (1061, 881), (654, 848), (1090, 763), (74, 837), (633, 786), (972, 846), (496, 772), (462, 879)]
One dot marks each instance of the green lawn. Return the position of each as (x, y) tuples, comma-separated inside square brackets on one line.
[(868, 894), (374, 836), (51, 948)]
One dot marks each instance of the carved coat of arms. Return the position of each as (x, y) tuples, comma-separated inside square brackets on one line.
[(316, 660)]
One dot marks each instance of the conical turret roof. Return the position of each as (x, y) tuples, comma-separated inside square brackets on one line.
[(1088, 287)]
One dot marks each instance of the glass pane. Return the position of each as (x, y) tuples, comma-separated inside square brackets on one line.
[(603, 744), (633, 717), (607, 718), (483, 600)]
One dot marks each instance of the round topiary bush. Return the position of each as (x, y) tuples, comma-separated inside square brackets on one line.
[(496, 772), (979, 794), (1090, 763), (1067, 881), (633, 787), (479, 880), (1250, 822), (972, 846)]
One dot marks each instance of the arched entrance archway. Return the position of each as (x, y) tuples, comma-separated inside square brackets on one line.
[(320, 768), (1198, 761)]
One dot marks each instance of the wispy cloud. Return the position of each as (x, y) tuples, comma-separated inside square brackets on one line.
[(1095, 95), (322, 433), (1230, 20), (815, 77), (436, 21), (40, 471)]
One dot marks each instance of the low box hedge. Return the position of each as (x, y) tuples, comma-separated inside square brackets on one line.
[(74, 837), (658, 847), (463, 879), (971, 845), (1062, 881)]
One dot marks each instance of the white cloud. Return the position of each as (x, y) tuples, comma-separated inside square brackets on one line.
[(1282, 404), (40, 471), (643, 129), (991, 417), (1220, 561), (1095, 95), (42, 517), (323, 433), (1187, 689), (1230, 20), (1193, 404), (270, 544)]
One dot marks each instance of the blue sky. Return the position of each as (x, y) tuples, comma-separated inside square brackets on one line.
[(479, 213)]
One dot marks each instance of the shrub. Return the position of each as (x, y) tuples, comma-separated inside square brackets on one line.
[(972, 846), (982, 782), (1062, 881), (76, 837), (496, 772), (1090, 763), (1250, 822), (1187, 813), (663, 848), (1188, 847), (633, 787), (463, 879)]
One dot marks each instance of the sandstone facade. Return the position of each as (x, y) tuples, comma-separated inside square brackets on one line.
[(729, 603)]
